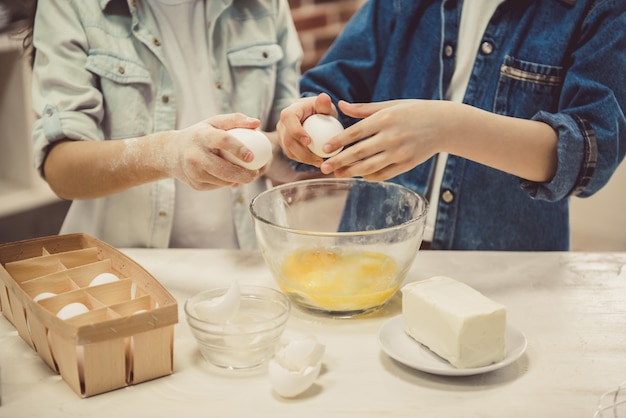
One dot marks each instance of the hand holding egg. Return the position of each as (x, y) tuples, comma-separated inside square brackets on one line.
[(256, 142), (321, 128)]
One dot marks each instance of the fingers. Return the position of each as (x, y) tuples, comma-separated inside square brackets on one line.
[(213, 172), (294, 140), (363, 110), (370, 152), (233, 120), (351, 135), (378, 167), (365, 128), (202, 148)]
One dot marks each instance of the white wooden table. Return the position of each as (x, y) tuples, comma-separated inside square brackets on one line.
[(570, 306)]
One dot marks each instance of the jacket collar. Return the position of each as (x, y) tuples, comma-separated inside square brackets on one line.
[(105, 3)]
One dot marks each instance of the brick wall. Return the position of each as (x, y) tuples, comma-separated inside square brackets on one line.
[(318, 23)]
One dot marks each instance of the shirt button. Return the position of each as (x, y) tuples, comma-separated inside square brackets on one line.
[(447, 196), (165, 99), (265, 54), (156, 42), (218, 85), (121, 70), (448, 51), (486, 48), (162, 214)]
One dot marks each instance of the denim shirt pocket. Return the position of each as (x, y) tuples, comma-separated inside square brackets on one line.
[(126, 93), (526, 88), (254, 72)]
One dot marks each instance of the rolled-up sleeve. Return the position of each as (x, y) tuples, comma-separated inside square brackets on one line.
[(590, 124), (65, 99), (577, 154)]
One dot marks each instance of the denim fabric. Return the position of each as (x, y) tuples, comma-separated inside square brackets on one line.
[(100, 74), (560, 62)]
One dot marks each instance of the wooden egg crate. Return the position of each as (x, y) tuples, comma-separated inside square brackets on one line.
[(125, 338)]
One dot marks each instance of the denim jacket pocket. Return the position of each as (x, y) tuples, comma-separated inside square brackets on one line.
[(525, 88), (256, 56), (126, 93), (254, 72)]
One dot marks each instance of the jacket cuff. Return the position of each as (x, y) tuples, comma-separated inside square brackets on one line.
[(590, 158), (577, 153)]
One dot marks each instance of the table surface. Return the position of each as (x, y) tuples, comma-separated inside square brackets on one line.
[(570, 306)]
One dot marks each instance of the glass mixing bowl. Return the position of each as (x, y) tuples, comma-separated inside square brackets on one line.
[(340, 247)]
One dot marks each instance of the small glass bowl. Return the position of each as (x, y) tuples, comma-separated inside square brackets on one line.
[(248, 340)]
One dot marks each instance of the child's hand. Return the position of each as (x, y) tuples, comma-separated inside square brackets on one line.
[(392, 138), (293, 139), (195, 155)]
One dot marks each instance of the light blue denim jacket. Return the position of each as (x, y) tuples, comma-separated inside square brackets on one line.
[(100, 74), (557, 61)]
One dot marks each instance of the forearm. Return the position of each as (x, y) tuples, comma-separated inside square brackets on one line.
[(92, 169), (524, 148)]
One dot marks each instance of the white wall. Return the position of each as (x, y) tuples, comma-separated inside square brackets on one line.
[(598, 223)]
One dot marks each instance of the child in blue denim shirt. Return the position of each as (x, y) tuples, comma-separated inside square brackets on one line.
[(497, 111)]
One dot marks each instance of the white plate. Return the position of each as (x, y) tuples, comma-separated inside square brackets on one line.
[(398, 345)]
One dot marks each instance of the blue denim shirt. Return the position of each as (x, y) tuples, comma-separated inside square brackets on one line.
[(560, 62), (100, 74)]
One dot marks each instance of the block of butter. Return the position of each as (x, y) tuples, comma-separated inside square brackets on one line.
[(455, 321)]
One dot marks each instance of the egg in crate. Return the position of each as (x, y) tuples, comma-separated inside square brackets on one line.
[(71, 310), (104, 278)]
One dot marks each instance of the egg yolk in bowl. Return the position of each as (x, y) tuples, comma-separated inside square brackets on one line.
[(339, 281)]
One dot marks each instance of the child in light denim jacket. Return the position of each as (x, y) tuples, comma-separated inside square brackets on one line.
[(134, 99)]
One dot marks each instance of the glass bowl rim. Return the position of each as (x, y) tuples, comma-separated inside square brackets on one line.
[(418, 218), (252, 291)]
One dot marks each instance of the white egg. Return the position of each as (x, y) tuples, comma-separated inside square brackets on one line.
[(72, 309), (295, 366), (255, 141), (321, 128), (43, 295), (220, 309), (103, 278)]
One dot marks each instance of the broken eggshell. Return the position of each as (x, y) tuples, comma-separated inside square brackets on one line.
[(295, 366), (221, 309)]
